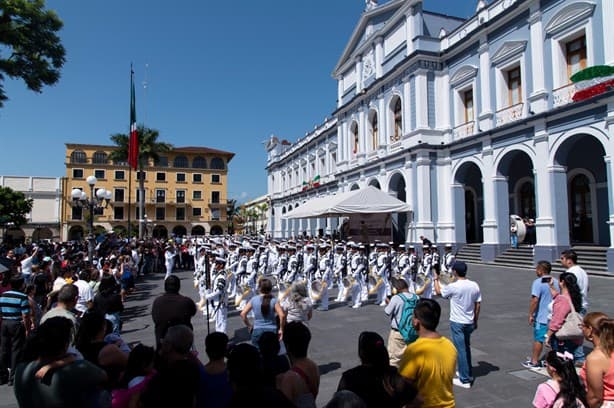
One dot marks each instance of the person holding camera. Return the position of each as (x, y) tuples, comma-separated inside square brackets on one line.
[(538, 311)]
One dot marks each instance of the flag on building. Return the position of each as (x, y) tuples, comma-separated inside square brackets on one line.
[(133, 141), (305, 185), (592, 81), (316, 181)]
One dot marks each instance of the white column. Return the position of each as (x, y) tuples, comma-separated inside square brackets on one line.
[(607, 11), (382, 122), (341, 128), (445, 224), (609, 164), (422, 117), (407, 101), (490, 220), (359, 73), (424, 225), (538, 99), (544, 194), (442, 101), (362, 131), (408, 173), (379, 57), (339, 90), (486, 114), (409, 33)]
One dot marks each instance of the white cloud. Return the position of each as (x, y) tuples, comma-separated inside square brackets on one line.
[(244, 194)]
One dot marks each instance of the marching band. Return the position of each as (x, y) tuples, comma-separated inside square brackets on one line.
[(227, 271)]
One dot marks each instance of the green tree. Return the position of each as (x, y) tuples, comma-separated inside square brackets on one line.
[(149, 149), (14, 206), (231, 214), (30, 49)]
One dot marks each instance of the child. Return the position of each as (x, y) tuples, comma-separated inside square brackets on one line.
[(564, 389)]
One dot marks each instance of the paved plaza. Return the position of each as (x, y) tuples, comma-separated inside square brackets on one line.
[(501, 343)]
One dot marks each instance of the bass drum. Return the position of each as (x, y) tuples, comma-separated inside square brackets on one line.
[(521, 229)]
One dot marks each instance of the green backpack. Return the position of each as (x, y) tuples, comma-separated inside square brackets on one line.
[(404, 324)]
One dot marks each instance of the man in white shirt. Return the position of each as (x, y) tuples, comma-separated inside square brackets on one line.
[(86, 294), (569, 259), (465, 300)]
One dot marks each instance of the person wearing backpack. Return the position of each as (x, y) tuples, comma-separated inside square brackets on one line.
[(400, 309)]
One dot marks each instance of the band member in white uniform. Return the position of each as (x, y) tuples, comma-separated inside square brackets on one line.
[(241, 276), (357, 267), (250, 277), (364, 289), (169, 260), (448, 259), (381, 273), (340, 271), (309, 266), (427, 271), (290, 276), (325, 274), (219, 297), (232, 265), (200, 281)]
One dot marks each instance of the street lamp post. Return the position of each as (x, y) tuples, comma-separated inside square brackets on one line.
[(99, 200)]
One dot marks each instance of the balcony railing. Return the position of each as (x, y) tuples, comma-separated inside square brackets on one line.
[(464, 130), (562, 96), (509, 114)]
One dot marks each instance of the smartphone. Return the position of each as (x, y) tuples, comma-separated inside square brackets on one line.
[(546, 279)]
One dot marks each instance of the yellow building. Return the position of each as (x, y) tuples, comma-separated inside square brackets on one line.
[(185, 192)]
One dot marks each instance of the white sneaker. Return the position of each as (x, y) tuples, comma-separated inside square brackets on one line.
[(459, 383), (356, 306)]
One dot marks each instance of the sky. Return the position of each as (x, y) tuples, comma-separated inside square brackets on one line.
[(222, 74)]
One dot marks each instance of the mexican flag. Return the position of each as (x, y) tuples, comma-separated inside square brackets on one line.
[(133, 142), (592, 81), (305, 185), (316, 181)]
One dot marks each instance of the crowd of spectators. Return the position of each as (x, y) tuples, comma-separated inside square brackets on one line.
[(61, 343)]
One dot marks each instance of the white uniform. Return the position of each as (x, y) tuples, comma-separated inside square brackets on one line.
[(326, 275), (219, 296), (448, 262), (382, 273), (169, 261), (426, 269), (358, 267), (339, 272)]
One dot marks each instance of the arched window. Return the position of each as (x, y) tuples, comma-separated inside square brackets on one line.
[(99, 158), (374, 129), (180, 161), (217, 163), (199, 163), (355, 141), (397, 116), (78, 156)]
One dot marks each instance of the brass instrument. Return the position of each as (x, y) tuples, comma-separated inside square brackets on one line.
[(374, 284), (317, 287), (446, 278), (245, 289), (422, 281), (347, 282)]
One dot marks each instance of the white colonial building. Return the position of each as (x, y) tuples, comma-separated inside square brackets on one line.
[(44, 219), (468, 121)]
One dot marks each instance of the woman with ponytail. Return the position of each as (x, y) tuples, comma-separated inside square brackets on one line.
[(266, 308), (563, 303), (598, 370), (564, 389)]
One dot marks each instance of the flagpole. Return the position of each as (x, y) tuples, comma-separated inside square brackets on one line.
[(129, 177)]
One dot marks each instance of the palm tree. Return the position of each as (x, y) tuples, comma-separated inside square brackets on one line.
[(262, 209), (231, 214), (149, 149)]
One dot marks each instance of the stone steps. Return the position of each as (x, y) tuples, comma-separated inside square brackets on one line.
[(592, 258)]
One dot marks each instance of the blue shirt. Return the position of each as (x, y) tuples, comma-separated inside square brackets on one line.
[(260, 321), (13, 305), (542, 292)]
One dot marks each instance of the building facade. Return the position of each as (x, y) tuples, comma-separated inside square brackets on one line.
[(256, 215), (470, 121), (185, 192), (44, 219)]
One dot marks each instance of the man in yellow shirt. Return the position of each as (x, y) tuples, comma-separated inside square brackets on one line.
[(430, 361)]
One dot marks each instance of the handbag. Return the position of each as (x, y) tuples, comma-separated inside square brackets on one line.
[(571, 329)]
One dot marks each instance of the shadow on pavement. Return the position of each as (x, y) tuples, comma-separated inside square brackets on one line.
[(483, 369), (327, 368)]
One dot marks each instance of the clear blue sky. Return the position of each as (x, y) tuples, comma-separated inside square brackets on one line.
[(221, 74)]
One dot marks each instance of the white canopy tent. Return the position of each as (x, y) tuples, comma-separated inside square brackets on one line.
[(368, 200)]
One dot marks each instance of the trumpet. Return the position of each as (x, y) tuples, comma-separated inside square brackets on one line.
[(422, 281)]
